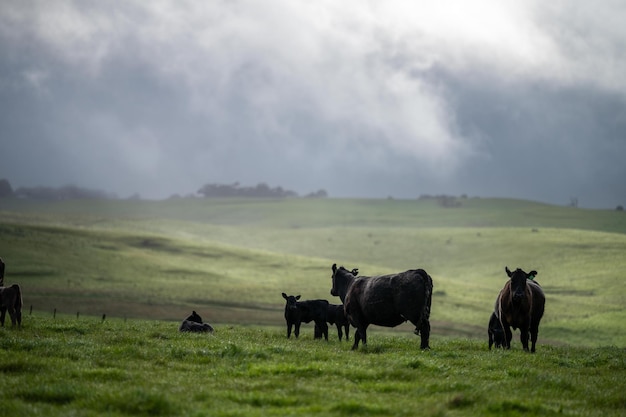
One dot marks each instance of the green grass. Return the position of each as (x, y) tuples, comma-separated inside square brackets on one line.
[(311, 213), (86, 367), (230, 259)]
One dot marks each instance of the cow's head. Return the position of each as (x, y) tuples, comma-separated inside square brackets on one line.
[(291, 301), (518, 283), (195, 317), (335, 290)]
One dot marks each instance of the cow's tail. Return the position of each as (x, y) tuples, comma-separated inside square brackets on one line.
[(18, 297), (428, 294)]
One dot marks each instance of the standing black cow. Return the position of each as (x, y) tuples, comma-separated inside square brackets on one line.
[(387, 300), (10, 300), (520, 305), (337, 315), (297, 312)]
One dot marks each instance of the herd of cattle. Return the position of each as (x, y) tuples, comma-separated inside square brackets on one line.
[(385, 300), (390, 300)]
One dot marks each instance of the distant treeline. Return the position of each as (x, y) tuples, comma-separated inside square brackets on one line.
[(261, 190), (67, 192), (72, 192), (445, 200)]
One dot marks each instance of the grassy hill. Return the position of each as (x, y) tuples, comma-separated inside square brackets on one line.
[(230, 259)]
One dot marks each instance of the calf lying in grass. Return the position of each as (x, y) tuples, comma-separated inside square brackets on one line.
[(194, 323)]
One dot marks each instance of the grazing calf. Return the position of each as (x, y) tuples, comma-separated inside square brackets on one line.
[(520, 305), (193, 323), (337, 316), (297, 312), (495, 332)]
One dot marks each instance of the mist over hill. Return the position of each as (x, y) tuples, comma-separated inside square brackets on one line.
[(212, 190)]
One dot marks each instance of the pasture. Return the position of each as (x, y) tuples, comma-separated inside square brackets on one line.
[(230, 259), (87, 367), (148, 264)]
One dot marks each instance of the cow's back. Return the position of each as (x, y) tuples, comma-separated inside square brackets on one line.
[(310, 310), (389, 300)]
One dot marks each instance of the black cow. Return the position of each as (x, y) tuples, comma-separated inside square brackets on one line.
[(194, 323), (520, 305), (337, 316), (297, 312), (386, 300), (10, 300), (495, 332)]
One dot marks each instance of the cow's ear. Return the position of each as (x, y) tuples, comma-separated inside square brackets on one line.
[(284, 296), (533, 273), (297, 297), (508, 271), (334, 268)]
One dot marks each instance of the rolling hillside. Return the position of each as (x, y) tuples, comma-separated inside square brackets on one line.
[(231, 258)]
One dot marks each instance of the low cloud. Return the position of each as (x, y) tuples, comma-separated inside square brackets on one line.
[(493, 98)]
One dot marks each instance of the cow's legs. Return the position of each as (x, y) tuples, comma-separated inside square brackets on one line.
[(357, 339), (425, 334), (508, 335), (321, 329), (3, 312), (13, 317), (360, 336), (524, 337), (422, 328), (533, 337), (324, 328), (297, 329), (339, 331), (317, 332)]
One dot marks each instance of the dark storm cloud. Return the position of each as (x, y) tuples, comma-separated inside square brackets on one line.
[(542, 141), (493, 99)]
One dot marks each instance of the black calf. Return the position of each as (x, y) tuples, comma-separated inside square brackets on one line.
[(297, 312)]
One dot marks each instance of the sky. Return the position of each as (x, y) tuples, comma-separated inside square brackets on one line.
[(489, 98)]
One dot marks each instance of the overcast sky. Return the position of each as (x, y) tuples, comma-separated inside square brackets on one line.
[(523, 99)]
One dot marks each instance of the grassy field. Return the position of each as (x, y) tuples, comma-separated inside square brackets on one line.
[(87, 367), (146, 265), (230, 259)]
